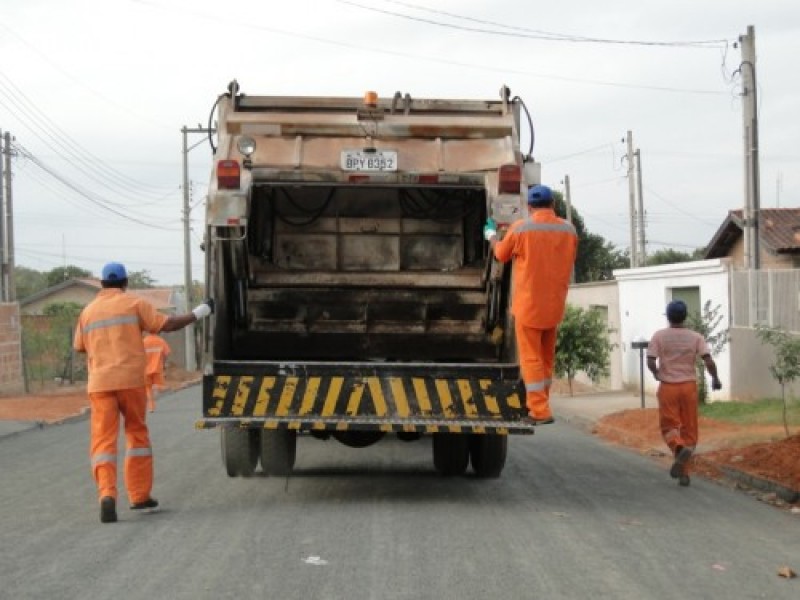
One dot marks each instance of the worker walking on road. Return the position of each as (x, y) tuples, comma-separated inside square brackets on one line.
[(543, 248), (671, 356), (156, 350), (109, 331)]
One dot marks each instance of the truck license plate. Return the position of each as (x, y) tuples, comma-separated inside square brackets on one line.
[(360, 160)]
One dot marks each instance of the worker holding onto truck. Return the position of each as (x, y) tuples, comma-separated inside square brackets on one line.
[(671, 356), (543, 248), (156, 350), (109, 331)]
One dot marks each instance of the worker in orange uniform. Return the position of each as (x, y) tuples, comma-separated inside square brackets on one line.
[(671, 356), (543, 248), (109, 331), (156, 350)]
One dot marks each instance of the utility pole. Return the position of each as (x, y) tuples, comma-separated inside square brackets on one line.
[(568, 202), (634, 258), (641, 253), (191, 349), (3, 283), (11, 290), (752, 205)]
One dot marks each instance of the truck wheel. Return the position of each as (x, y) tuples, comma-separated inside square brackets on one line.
[(278, 451), (239, 451), (488, 454), (450, 453)]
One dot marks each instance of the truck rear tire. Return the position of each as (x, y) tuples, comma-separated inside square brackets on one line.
[(450, 453), (278, 451), (239, 451), (487, 453)]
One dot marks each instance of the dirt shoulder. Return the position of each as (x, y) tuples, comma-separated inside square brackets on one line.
[(56, 403), (764, 454)]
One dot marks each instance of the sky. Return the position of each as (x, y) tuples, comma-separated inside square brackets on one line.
[(95, 93)]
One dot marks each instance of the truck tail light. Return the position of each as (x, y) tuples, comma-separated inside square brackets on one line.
[(228, 174), (509, 180)]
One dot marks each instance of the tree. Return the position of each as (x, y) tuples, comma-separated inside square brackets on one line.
[(28, 281), (706, 324), (582, 345), (668, 256), (62, 274), (786, 367), (139, 280), (597, 258)]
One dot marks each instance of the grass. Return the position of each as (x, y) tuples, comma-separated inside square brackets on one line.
[(768, 411)]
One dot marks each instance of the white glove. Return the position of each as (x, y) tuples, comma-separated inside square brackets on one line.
[(488, 234), (201, 311)]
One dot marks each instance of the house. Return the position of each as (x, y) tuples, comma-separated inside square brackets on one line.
[(168, 301), (779, 239), (82, 291)]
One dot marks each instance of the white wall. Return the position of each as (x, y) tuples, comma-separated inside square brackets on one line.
[(643, 297)]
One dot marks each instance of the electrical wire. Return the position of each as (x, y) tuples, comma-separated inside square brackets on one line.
[(520, 32)]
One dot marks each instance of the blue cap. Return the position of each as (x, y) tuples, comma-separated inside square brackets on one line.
[(114, 271), (676, 311), (540, 195)]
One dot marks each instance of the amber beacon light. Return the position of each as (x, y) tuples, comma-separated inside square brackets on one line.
[(371, 99)]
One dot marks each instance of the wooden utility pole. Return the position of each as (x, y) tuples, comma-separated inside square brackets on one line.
[(752, 205), (641, 253), (3, 282), (634, 259), (11, 290)]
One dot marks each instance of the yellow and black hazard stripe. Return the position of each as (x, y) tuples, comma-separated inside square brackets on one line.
[(407, 403)]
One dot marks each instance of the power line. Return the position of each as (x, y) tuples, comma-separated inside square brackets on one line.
[(522, 32)]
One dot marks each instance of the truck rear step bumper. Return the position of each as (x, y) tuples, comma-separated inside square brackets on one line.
[(400, 397)]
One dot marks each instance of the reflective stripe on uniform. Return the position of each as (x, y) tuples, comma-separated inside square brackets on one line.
[(126, 320), (139, 452), (103, 458), (535, 386), (152, 349), (529, 225)]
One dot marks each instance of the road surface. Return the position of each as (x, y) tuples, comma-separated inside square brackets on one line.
[(571, 517)]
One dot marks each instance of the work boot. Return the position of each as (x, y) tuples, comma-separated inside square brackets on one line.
[(684, 481), (108, 510), (150, 503), (545, 421), (682, 456)]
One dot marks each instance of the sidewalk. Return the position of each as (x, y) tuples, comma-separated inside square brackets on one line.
[(584, 410)]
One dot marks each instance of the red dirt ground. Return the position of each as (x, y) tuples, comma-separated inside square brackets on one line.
[(58, 403), (762, 451)]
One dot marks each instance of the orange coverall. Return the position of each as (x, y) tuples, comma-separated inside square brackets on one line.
[(110, 332), (156, 352), (676, 349), (543, 248)]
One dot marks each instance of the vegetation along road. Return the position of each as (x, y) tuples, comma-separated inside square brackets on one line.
[(571, 517)]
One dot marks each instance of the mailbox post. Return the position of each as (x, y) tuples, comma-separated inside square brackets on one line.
[(640, 344)]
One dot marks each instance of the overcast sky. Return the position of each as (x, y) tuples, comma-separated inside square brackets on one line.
[(96, 92)]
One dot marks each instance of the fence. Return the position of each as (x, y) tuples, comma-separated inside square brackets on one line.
[(47, 350), (770, 298)]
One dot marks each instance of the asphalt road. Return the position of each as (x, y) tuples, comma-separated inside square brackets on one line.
[(571, 517)]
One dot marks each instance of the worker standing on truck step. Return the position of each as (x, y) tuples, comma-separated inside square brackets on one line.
[(543, 248), (671, 356), (156, 350), (109, 331)]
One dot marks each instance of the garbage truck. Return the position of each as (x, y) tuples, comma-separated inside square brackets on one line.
[(355, 295)]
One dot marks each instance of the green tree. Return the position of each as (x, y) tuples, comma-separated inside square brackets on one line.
[(28, 281), (668, 256), (582, 345), (597, 258), (139, 280), (707, 324), (62, 274), (786, 367)]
